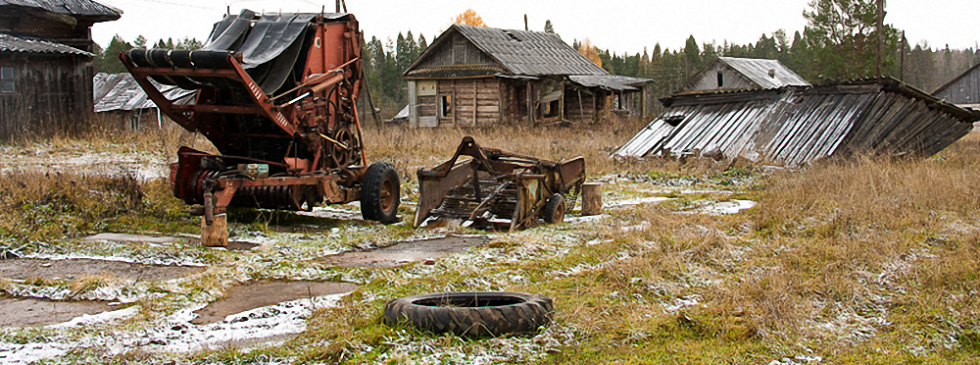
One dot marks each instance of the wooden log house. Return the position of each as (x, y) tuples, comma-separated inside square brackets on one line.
[(478, 76), (45, 64)]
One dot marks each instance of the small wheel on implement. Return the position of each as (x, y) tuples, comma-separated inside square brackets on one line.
[(554, 210), (342, 154), (380, 193)]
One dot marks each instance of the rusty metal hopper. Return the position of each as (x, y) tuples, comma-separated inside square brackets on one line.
[(497, 189)]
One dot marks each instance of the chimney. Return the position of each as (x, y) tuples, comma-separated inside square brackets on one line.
[(772, 73)]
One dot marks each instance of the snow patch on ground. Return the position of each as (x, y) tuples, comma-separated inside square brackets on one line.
[(256, 327), (722, 208), (146, 260)]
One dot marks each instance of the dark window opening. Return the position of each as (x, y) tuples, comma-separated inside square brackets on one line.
[(446, 106), (721, 80), (512, 36), (8, 84), (551, 109)]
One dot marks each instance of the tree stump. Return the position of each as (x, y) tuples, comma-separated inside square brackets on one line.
[(216, 234), (591, 199)]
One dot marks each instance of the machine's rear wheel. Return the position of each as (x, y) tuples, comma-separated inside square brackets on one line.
[(380, 193), (554, 210)]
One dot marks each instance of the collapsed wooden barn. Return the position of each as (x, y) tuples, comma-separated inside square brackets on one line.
[(45, 64), (477, 76), (796, 125)]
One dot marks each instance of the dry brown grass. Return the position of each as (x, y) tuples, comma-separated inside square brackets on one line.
[(411, 149)]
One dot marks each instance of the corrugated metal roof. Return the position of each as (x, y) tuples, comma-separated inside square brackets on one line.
[(86, 8), (114, 92), (765, 74), (610, 82), (9, 43), (529, 53), (758, 71), (795, 125)]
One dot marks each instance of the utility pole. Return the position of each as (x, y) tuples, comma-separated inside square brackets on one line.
[(901, 55), (879, 61)]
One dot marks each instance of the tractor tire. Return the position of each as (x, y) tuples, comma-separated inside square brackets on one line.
[(380, 193), (472, 314), (554, 210)]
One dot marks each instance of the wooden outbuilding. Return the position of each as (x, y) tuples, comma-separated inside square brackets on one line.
[(45, 64), (964, 90), (730, 73), (478, 76)]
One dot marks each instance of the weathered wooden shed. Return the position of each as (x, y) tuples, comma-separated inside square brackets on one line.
[(796, 125), (45, 64), (964, 90), (120, 94), (478, 76), (730, 73)]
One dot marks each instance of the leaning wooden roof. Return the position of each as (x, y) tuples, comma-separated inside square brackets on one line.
[(77, 8), (795, 125), (519, 52), (9, 43), (120, 92)]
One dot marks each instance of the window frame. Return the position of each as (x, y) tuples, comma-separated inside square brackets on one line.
[(8, 77)]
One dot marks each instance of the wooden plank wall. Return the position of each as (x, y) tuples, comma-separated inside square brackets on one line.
[(457, 51), (53, 96), (476, 102), (580, 105), (965, 91)]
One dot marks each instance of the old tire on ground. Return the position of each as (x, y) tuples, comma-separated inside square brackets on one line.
[(380, 193), (472, 314), (554, 210)]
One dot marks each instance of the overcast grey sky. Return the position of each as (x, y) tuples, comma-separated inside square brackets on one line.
[(619, 25)]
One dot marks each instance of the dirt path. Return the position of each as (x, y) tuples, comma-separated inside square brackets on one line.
[(22, 269), (22, 312), (265, 293), (405, 252)]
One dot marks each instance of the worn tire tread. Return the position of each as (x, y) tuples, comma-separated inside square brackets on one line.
[(526, 315)]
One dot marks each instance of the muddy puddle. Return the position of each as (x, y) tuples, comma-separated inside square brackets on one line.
[(22, 269), (265, 293), (24, 312), (405, 252)]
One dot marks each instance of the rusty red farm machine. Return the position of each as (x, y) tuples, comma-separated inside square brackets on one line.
[(276, 95)]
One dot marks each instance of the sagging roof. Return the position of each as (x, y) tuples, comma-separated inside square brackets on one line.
[(795, 125), (610, 82), (120, 92), (10, 43), (77, 8), (764, 74), (520, 52)]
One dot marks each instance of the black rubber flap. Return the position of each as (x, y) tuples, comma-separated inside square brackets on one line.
[(272, 35), (229, 31)]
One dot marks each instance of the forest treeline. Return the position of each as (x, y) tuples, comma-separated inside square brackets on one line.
[(838, 43)]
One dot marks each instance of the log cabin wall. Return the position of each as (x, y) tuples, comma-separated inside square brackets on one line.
[(581, 104), (464, 103)]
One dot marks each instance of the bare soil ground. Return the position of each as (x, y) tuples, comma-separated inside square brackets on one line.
[(23, 269), (264, 293), (405, 252), (23, 312)]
